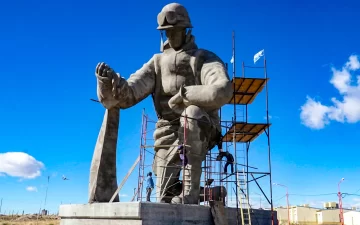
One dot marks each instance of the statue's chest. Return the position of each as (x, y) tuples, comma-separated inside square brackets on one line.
[(176, 71)]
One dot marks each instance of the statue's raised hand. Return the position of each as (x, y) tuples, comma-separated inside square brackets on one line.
[(107, 81), (104, 70)]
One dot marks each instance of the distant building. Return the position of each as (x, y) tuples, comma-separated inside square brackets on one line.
[(352, 218), (329, 216), (44, 212), (306, 215), (282, 215), (303, 214), (331, 205)]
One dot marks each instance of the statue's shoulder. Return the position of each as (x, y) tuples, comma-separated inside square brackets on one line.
[(156, 56), (206, 55)]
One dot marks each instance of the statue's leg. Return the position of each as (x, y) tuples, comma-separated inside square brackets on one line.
[(166, 165), (168, 170), (199, 133)]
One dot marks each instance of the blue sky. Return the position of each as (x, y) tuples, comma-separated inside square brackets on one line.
[(49, 51)]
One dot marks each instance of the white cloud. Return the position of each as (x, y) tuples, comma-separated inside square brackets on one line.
[(271, 117), (54, 174), (313, 114), (31, 188), (353, 63), (355, 202), (316, 115), (316, 203), (20, 164)]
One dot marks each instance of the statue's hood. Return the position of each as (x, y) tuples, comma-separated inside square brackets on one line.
[(187, 46)]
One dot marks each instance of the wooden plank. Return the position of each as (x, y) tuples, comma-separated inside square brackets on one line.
[(125, 179), (246, 89), (245, 132)]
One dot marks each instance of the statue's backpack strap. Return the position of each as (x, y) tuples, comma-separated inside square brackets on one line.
[(194, 65)]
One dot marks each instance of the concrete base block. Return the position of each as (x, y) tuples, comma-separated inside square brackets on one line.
[(147, 213)]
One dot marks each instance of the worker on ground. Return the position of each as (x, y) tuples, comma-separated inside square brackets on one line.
[(182, 154), (229, 160), (150, 186)]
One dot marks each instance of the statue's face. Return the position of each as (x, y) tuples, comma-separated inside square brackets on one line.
[(176, 37)]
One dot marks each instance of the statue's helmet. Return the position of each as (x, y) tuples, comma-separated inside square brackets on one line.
[(173, 15)]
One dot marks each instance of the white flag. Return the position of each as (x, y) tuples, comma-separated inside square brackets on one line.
[(232, 60), (258, 55)]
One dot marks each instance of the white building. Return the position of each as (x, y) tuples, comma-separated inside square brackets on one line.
[(303, 215), (352, 218), (329, 216), (282, 215), (306, 215), (298, 215)]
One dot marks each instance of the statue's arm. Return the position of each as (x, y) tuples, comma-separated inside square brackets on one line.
[(122, 93), (216, 89)]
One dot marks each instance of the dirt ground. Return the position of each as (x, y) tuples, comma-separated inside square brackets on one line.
[(29, 220)]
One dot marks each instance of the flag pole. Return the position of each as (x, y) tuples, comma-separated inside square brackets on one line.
[(268, 139), (264, 57), (47, 187), (234, 122), (233, 53)]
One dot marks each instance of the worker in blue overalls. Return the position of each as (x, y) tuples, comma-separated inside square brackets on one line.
[(150, 186)]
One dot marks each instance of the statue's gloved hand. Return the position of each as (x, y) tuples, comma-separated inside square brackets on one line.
[(182, 93), (107, 81), (178, 102), (104, 70)]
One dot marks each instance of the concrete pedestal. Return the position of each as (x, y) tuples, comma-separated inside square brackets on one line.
[(136, 213)]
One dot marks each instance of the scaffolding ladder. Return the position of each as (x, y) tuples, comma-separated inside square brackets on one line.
[(244, 205), (242, 200)]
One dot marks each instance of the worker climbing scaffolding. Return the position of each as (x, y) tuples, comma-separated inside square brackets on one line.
[(182, 153), (229, 157), (229, 160)]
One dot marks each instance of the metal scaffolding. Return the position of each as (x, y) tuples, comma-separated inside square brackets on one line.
[(238, 134), (147, 143), (141, 176)]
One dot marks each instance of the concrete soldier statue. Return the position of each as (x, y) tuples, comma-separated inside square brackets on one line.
[(183, 80)]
